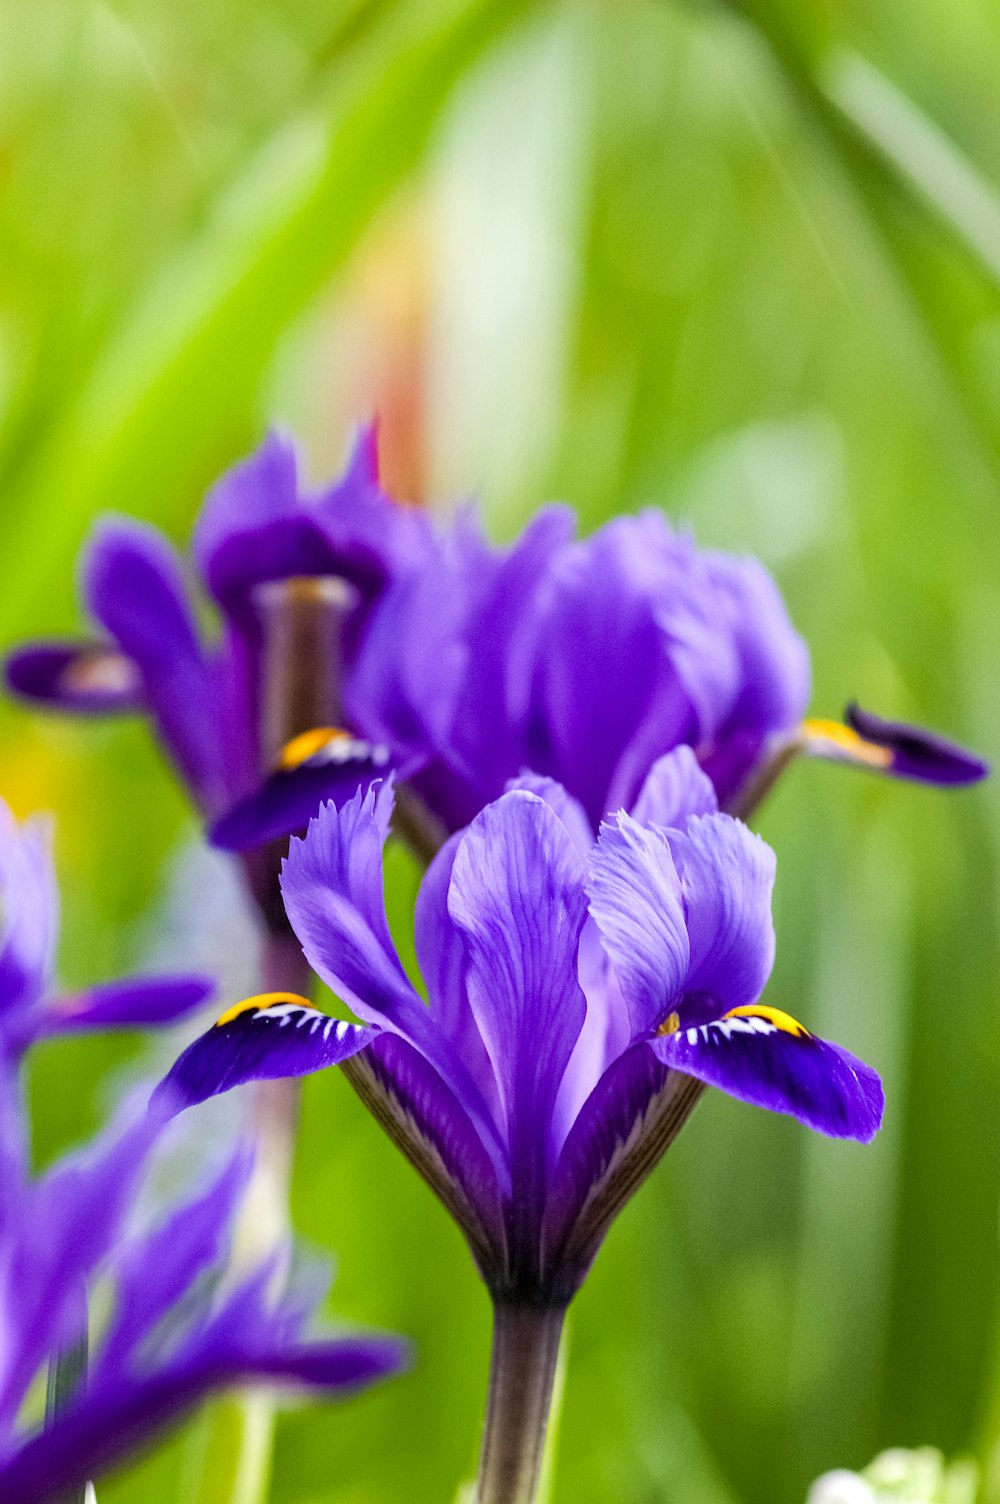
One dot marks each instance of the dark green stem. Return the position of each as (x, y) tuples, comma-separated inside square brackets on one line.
[(522, 1371)]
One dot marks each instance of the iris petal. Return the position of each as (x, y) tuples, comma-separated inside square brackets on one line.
[(628, 1121), (262, 1040), (443, 964), (675, 789), (517, 896), (765, 1058), (331, 883), (332, 887), (425, 1119), (636, 902), (290, 796), (727, 876), (108, 1422), (135, 588), (139, 1002), (84, 678), (917, 754)]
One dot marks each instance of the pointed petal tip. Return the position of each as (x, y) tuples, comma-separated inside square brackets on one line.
[(292, 797), (761, 1056), (265, 1038), (914, 753), (362, 464), (81, 677), (132, 1002)]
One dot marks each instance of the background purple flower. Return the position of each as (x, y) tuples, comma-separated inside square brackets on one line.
[(585, 660), (176, 1330), (30, 1006), (328, 556), (582, 660)]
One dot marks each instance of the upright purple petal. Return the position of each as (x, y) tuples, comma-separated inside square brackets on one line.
[(404, 684), (727, 876), (494, 715), (562, 803), (81, 677), (608, 686), (259, 524), (517, 895), (332, 887), (253, 527), (606, 1032), (636, 902), (134, 586), (764, 1057), (675, 789), (447, 666), (441, 956), (331, 883), (373, 537), (773, 669)]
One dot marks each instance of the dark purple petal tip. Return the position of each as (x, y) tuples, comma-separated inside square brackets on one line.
[(917, 754), (134, 1002), (83, 678), (336, 766), (764, 1057), (263, 1038)]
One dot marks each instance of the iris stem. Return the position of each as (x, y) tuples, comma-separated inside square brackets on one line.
[(755, 790), (522, 1371), (67, 1371)]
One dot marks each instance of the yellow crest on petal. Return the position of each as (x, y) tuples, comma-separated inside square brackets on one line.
[(299, 750), (783, 1021), (262, 1001)]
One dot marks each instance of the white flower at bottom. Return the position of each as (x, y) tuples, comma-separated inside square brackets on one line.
[(841, 1487)]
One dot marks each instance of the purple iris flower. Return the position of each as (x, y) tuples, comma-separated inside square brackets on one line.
[(581, 995), (29, 906), (585, 660), (354, 639), (294, 575), (177, 1329)]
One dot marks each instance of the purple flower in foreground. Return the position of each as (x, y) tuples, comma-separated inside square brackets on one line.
[(29, 922), (294, 575), (176, 1330), (581, 995)]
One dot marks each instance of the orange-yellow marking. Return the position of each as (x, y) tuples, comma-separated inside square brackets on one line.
[(670, 1024), (299, 750), (783, 1021), (263, 1000), (842, 739)]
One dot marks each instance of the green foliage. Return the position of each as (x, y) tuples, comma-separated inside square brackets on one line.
[(739, 262)]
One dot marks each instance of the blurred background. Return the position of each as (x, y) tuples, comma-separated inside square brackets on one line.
[(740, 261)]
